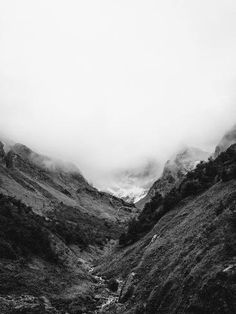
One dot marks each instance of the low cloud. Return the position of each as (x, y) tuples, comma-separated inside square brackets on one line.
[(110, 86)]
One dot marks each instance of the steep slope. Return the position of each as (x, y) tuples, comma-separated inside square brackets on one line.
[(174, 171), (36, 266), (228, 139), (59, 191), (52, 224), (187, 262)]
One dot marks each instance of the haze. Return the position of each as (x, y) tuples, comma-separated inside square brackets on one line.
[(111, 84)]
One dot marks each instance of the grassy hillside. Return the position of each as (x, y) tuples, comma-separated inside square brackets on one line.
[(60, 193), (51, 220), (186, 263)]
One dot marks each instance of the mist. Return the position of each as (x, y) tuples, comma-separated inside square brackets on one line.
[(111, 85)]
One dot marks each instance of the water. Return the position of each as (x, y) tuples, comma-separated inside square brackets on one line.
[(108, 298)]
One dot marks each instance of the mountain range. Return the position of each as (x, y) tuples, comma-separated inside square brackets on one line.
[(66, 247)]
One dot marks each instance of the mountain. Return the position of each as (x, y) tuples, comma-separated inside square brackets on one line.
[(59, 247), (133, 183), (53, 223), (228, 139), (184, 262), (174, 170), (46, 185)]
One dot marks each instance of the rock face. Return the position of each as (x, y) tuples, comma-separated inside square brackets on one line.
[(174, 170), (228, 139)]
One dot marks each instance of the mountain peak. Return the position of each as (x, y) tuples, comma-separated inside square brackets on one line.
[(174, 170), (227, 140), (185, 160)]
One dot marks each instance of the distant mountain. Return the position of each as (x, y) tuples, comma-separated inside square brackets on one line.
[(174, 171), (228, 139), (132, 184)]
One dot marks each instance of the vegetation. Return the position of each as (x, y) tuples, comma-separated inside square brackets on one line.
[(205, 175), (145, 221), (22, 233), (76, 227), (69, 233), (113, 284)]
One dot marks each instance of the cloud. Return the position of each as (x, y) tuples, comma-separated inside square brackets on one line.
[(108, 84)]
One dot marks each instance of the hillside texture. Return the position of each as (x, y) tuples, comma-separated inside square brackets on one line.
[(187, 262), (59, 192), (52, 225), (58, 248)]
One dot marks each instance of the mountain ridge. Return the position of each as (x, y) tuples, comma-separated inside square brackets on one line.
[(174, 170), (59, 249)]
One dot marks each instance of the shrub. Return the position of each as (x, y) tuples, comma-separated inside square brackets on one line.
[(113, 284), (171, 199), (191, 187)]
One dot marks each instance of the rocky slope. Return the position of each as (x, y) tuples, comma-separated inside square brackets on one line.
[(174, 171), (187, 262)]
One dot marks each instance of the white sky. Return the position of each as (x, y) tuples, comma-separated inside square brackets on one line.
[(107, 84)]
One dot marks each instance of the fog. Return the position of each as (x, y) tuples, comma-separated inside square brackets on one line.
[(111, 84)]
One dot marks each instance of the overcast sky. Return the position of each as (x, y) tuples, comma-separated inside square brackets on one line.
[(107, 84)]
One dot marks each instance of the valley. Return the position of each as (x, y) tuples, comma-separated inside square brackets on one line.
[(66, 247)]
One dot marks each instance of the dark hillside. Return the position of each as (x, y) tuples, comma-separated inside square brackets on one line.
[(22, 233), (187, 262), (205, 175), (36, 265)]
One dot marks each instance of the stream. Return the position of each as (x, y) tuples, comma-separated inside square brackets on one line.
[(105, 297)]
